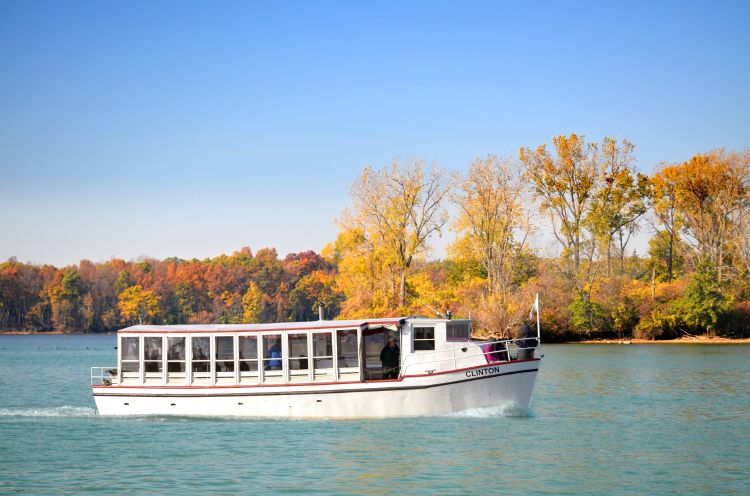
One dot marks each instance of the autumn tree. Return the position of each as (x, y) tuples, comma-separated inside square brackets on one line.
[(619, 201), (253, 304), (566, 184), (399, 207), (492, 224), (492, 228), (669, 221), (138, 304), (715, 198)]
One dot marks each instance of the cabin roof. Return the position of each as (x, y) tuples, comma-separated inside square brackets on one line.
[(281, 326)]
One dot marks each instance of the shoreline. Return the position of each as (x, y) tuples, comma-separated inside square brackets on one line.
[(39, 333), (682, 340)]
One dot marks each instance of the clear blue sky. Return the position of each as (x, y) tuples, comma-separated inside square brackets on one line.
[(192, 129)]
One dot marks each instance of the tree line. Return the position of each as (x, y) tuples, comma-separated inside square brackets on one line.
[(587, 198)]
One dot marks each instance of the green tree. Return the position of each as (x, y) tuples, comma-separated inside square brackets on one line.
[(706, 301), (65, 299)]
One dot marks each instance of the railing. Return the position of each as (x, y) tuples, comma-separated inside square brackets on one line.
[(104, 376), (503, 350)]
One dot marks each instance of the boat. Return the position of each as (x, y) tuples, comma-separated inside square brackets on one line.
[(320, 369)]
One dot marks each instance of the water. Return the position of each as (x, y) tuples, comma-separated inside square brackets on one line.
[(649, 419)]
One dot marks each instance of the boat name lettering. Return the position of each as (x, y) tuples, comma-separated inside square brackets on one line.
[(481, 372)]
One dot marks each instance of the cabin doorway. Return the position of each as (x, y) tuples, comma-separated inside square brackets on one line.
[(373, 342)]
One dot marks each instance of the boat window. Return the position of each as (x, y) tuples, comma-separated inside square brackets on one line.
[(298, 352), (272, 352), (201, 354), (248, 354), (457, 331), (224, 354), (224, 357), (176, 354), (424, 338), (323, 355), (131, 354), (346, 344), (152, 354)]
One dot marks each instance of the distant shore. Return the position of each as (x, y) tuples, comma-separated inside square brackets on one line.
[(40, 333), (682, 340)]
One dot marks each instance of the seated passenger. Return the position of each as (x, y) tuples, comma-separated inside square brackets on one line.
[(302, 361), (274, 353)]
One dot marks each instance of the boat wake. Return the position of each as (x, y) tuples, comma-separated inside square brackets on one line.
[(60, 411), (504, 410)]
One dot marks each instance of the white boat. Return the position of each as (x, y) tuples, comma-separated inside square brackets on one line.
[(322, 369)]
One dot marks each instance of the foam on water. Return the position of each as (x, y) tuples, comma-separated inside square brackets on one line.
[(60, 411), (504, 410)]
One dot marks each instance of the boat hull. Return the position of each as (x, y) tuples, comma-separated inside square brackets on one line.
[(438, 394)]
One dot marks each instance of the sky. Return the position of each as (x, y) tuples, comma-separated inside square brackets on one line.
[(191, 129)]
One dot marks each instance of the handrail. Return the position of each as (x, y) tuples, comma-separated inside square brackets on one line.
[(508, 343), (104, 376)]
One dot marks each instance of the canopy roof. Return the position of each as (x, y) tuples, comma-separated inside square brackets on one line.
[(281, 326)]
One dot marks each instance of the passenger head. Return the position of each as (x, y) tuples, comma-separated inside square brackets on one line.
[(391, 342)]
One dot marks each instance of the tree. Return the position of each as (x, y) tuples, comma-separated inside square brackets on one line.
[(399, 208), (492, 230), (492, 225), (664, 200), (705, 301), (253, 304), (312, 291), (566, 185), (65, 298), (139, 304), (619, 201), (713, 194)]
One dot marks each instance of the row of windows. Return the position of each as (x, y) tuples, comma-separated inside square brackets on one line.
[(282, 354), (271, 353)]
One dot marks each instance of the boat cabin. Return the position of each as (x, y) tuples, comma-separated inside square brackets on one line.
[(334, 351)]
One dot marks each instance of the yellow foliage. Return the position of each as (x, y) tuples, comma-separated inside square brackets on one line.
[(138, 304)]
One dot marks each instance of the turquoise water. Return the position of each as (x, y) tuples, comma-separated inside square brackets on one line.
[(653, 419)]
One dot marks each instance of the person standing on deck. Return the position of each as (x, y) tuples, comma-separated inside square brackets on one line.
[(390, 358)]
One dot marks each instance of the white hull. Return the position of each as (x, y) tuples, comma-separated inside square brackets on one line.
[(436, 394)]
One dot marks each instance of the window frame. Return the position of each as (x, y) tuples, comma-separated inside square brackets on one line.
[(176, 377), (332, 356), (416, 340), (461, 339), (348, 370), (215, 359), (202, 375), (158, 376), (138, 375), (308, 344), (249, 374), (263, 360)]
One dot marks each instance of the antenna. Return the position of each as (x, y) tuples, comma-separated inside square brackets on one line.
[(439, 314)]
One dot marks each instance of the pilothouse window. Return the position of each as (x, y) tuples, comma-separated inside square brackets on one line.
[(458, 331), (424, 338)]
